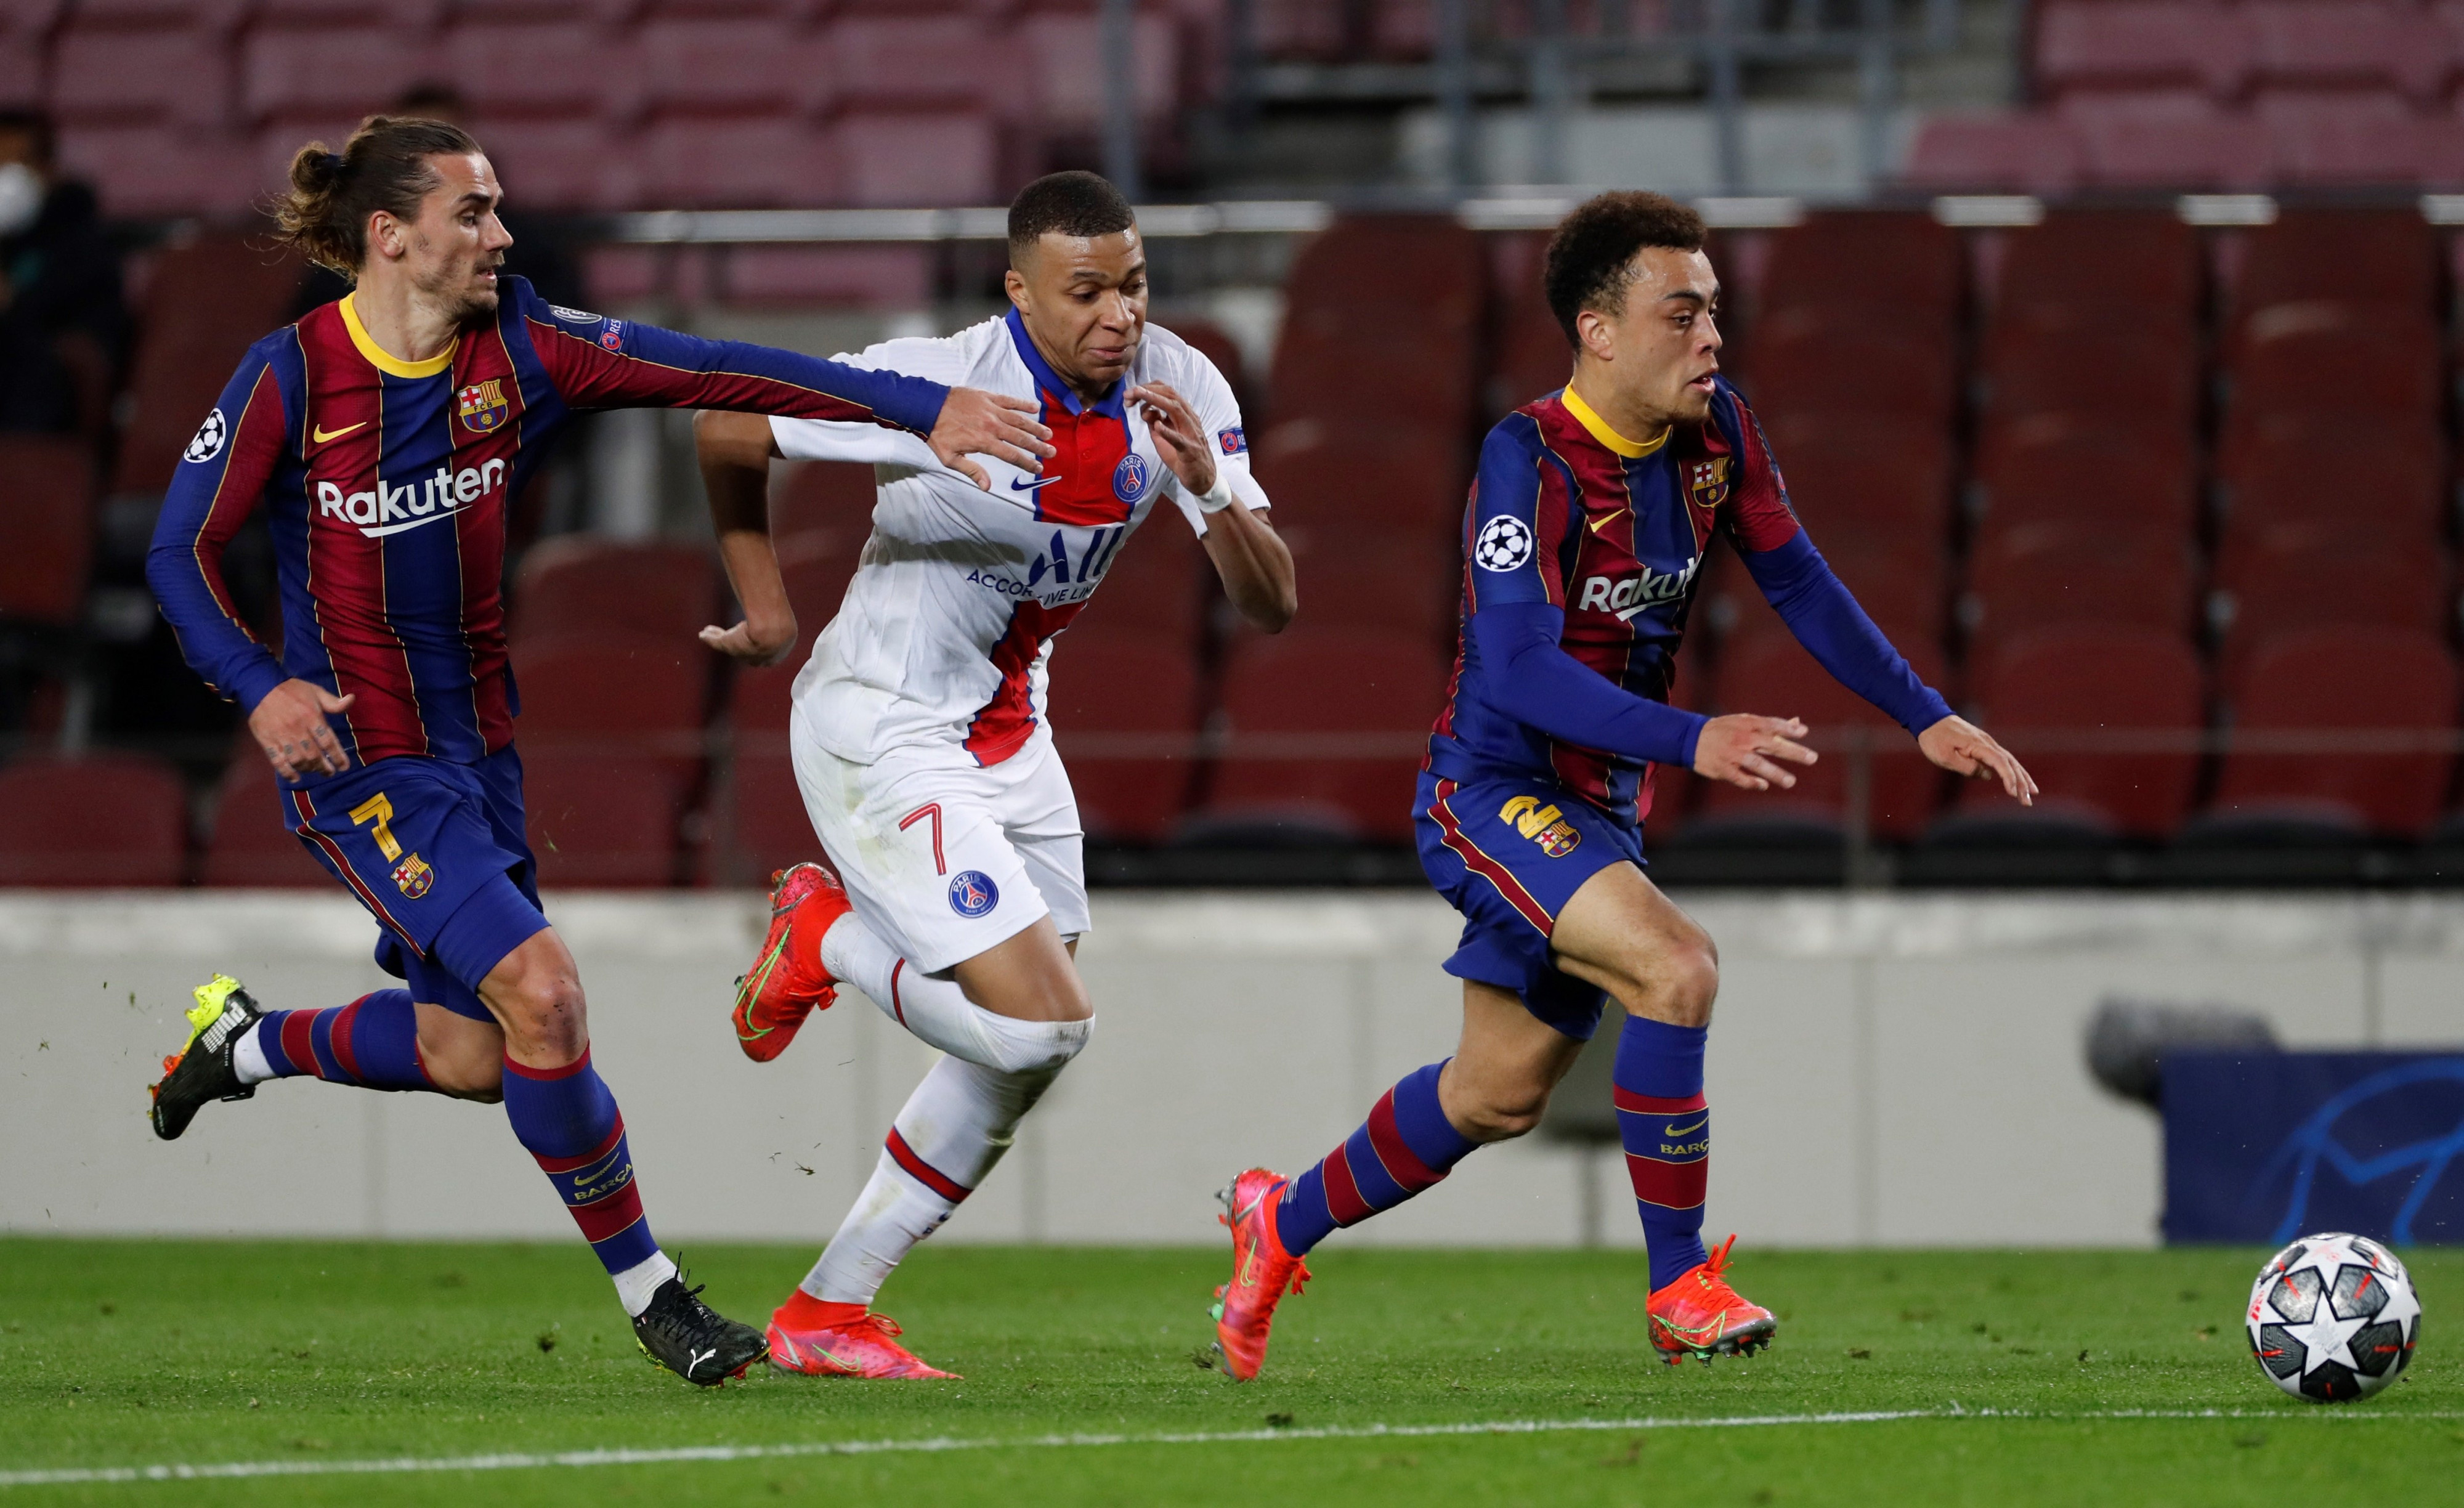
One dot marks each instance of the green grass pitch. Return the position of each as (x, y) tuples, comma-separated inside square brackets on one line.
[(2025, 1370)]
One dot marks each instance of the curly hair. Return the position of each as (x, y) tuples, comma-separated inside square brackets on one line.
[(1591, 256), (1073, 204), (385, 166)]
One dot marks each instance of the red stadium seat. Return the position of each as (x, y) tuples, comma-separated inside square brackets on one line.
[(2340, 256), (2053, 682), (760, 816), (1905, 263), (1774, 676), (2040, 575), (251, 846), (1063, 55), (2404, 453), (734, 66), (2053, 467), (2398, 498), (116, 821), (2349, 44), (1851, 358), (1125, 718), (162, 170), (600, 820), (1896, 580), (1410, 583), (2167, 141), (1866, 475), (571, 165), (1401, 371), (614, 696), (1214, 342), (916, 62), (2144, 369), (2340, 139), (1364, 270), (324, 71), (1156, 589), (2082, 259), (47, 518), (2268, 583), (817, 567), (830, 497), (2371, 358), (894, 159), (2140, 44), (179, 75), (208, 302), (2002, 150), (1356, 482), (1326, 730), (736, 164), (2351, 680), (530, 68), (581, 584)]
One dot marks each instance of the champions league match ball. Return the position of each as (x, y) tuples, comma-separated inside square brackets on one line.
[(2333, 1317)]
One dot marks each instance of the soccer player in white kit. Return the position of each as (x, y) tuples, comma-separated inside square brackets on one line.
[(918, 730)]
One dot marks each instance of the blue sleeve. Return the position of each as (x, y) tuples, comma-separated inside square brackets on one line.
[(219, 482), (1818, 608), (1531, 679)]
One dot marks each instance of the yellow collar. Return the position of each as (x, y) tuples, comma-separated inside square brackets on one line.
[(385, 361), (1590, 419)]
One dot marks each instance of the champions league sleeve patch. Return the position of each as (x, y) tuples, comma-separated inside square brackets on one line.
[(1503, 543), (583, 325), (1232, 441), (209, 439)]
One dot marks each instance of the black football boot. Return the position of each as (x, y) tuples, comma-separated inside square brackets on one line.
[(694, 1341), (202, 1070)]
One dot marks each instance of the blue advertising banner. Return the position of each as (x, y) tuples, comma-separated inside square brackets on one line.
[(2262, 1146)]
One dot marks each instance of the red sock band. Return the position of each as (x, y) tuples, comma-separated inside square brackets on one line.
[(804, 1312)]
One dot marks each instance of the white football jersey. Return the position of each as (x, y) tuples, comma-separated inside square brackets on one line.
[(945, 631)]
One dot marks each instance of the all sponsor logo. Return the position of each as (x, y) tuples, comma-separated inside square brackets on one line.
[(482, 405), (390, 510), (1503, 544), (413, 877), (208, 442), (1544, 825), (973, 893), (1130, 478), (1634, 595), (1707, 481)]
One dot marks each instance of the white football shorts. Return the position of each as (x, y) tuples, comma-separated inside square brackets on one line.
[(945, 857)]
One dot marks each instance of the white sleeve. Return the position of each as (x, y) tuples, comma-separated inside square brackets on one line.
[(1220, 412), (940, 360)]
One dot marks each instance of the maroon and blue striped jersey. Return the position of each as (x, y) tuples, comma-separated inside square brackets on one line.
[(1567, 513), (386, 484)]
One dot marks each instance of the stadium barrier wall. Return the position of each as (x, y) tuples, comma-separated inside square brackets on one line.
[(1886, 1069)]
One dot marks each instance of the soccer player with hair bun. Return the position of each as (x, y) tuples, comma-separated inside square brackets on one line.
[(1583, 542), (385, 434)]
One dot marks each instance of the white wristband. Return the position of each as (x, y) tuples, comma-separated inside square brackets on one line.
[(1217, 497)]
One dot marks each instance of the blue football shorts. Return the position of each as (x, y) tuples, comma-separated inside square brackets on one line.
[(435, 850), (1509, 852)]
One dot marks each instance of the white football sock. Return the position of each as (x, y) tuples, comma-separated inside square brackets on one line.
[(635, 1285), (939, 1012), (957, 1124), (248, 1058)]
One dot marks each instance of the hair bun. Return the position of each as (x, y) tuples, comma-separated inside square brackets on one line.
[(332, 162)]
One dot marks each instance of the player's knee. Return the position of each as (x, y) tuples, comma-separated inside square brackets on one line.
[(542, 1012), (1689, 982), (1033, 1047)]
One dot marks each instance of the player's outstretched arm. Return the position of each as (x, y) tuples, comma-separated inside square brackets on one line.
[(735, 451), (1962, 747), (1252, 559)]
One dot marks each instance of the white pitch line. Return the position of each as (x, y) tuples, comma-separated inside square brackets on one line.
[(510, 1462)]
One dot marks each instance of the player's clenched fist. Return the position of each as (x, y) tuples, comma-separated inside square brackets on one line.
[(978, 422), (1746, 750)]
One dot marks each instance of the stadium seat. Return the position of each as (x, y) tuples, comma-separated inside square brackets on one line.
[(2049, 694), (1775, 677), (2053, 467), (207, 302), (742, 163), (2003, 151), (329, 72), (571, 165), (177, 75), (161, 169), (116, 821), (1862, 476), (887, 158), (759, 823), (1408, 582), (2143, 369), (1398, 371), (2167, 141), (614, 695), (2341, 139), (1157, 590), (1361, 482), (1905, 263), (1326, 730), (1215, 343), (2371, 359), (916, 62), (600, 818), (1125, 716), (2353, 680), (528, 69), (731, 66), (1063, 54), (2040, 575), (2348, 45), (2406, 452), (581, 584), (2094, 259), (830, 497), (1896, 580), (1366, 269), (47, 518), (1850, 358), (2142, 44), (2395, 497), (251, 846), (2382, 256), (2268, 583)]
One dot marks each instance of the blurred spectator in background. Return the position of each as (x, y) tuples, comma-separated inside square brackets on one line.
[(63, 324), (539, 251)]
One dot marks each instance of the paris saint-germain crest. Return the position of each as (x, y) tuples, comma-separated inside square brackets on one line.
[(482, 405), (1130, 478), (973, 893), (1707, 481)]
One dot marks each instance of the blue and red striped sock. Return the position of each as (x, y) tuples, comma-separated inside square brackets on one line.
[(1406, 1146), (568, 1122), (1667, 1128), (372, 1042)]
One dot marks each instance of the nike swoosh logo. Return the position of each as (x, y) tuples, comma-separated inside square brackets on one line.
[(1687, 1130), (323, 435), (1600, 523), (1017, 486)]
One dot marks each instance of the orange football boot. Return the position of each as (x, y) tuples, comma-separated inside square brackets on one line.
[(1699, 1315), (787, 982), (863, 1346), (1261, 1269)]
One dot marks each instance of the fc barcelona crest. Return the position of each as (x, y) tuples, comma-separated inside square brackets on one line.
[(483, 406), (413, 876), (1706, 482)]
